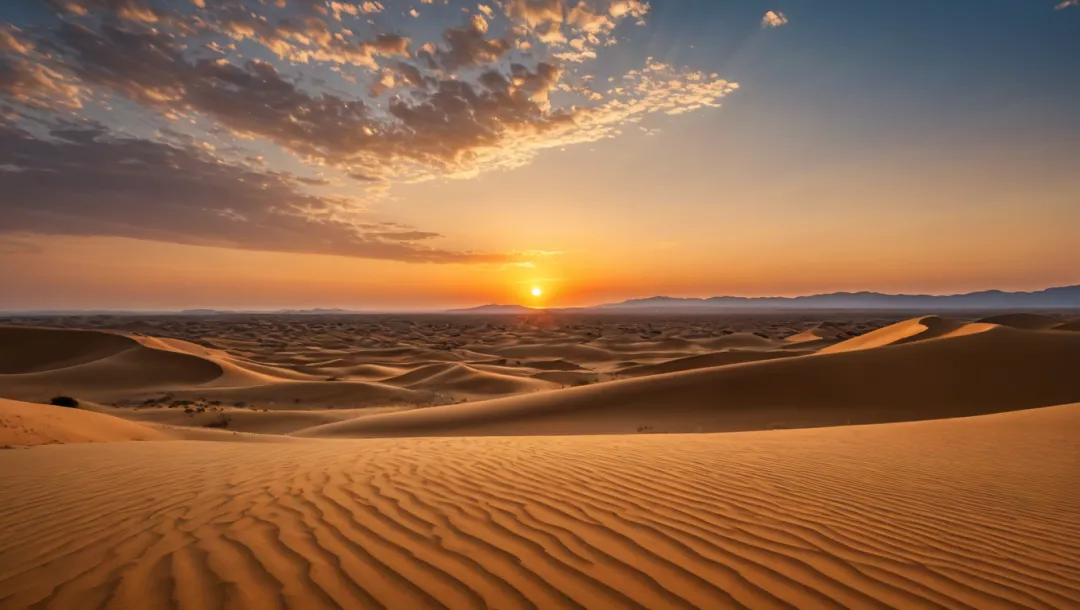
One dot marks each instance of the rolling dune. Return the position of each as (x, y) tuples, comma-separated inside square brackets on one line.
[(908, 331), (997, 369), (975, 509), (1026, 321), (26, 424), (1073, 325), (965, 513), (701, 361), (37, 360), (742, 340), (467, 380), (569, 352)]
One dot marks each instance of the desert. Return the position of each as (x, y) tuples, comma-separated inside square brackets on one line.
[(539, 304), (541, 460)]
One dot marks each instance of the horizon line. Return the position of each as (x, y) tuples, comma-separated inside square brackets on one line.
[(428, 310)]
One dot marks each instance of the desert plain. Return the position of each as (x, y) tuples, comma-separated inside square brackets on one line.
[(789, 460)]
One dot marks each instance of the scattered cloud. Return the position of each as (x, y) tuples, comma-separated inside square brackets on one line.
[(326, 82), (1067, 4), (26, 78), (435, 121), (773, 19)]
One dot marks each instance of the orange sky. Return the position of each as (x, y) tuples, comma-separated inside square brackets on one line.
[(464, 154)]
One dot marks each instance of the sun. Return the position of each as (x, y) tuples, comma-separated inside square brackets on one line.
[(536, 291)]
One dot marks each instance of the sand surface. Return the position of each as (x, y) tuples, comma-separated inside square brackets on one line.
[(535, 462), (27, 425), (977, 512)]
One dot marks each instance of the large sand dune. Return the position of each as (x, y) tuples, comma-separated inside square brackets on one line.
[(24, 424), (996, 369), (90, 360), (965, 513)]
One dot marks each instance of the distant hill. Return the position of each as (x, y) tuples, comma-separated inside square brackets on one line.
[(1066, 297), (494, 308)]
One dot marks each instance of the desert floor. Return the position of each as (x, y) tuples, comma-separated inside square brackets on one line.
[(545, 461)]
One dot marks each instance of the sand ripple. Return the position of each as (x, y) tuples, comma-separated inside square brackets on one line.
[(967, 513)]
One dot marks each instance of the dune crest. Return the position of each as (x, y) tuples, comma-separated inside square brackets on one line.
[(916, 329)]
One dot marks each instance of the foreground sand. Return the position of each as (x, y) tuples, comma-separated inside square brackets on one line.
[(973, 512)]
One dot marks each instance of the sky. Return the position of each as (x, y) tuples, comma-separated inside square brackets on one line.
[(422, 154)]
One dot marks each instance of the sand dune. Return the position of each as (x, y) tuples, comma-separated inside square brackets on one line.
[(572, 378), (1026, 321), (27, 424), (36, 360), (308, 394), (975, 513), (252, 361), (972, 512), (998, 369), (908, 331), (700, 361), (816, 334), (271, 422), (1073, 325), (552, 365), (738, 341), (466, 380), (569, 352)]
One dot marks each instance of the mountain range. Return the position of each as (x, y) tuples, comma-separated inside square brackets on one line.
[(1065, 297)]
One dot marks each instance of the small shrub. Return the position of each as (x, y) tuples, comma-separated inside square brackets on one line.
[(64, 401)]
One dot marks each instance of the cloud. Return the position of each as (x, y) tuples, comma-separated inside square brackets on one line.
[(469, 47), (1067, 4), (133, 10), (482, 95), (773, 19), (83, 180), (536, 12), (309, 39), (25, 77), (444, 125)]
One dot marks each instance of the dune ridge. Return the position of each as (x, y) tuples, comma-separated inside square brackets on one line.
[(908, 331), (996, 369)]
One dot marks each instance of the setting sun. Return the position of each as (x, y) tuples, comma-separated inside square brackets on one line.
[(536, 291)]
